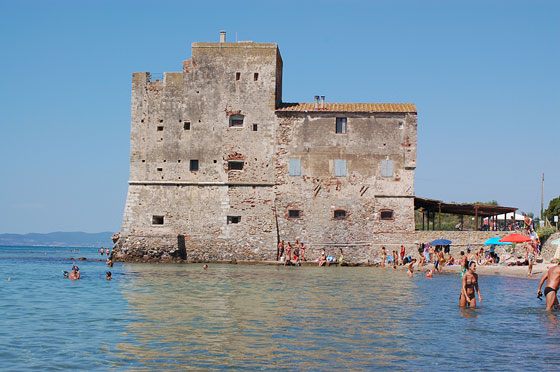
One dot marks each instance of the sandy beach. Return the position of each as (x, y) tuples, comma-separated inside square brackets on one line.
[(539, 270)]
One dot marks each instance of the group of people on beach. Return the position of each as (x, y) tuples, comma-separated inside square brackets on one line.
[(328, 259), (295, 255), (291, 255)]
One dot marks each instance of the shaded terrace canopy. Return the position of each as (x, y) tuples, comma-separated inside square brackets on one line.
[(478, 210)]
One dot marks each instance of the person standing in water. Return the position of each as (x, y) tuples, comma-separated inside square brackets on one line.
[(552, 278), (383, 256), (470, 283), (411, 267)]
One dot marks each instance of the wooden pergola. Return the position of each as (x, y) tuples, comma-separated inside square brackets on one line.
[(432, 206)]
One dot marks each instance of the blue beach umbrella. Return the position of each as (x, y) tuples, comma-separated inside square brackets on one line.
[(440, 242), (495, 241)]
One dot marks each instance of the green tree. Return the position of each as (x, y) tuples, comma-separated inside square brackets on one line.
[(491, 202), (553, 209)]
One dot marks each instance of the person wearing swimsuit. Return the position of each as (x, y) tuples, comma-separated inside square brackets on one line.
[(552, 278), (323, 259), (410, 271), (280, 251), (470, 284), (287, 259), (383, 256)]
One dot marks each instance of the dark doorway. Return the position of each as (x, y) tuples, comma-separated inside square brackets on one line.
[(182, 247)]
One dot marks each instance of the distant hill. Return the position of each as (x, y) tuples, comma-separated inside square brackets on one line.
[(58, 239)]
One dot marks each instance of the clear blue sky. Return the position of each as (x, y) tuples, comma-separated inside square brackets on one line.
[(484, 76)]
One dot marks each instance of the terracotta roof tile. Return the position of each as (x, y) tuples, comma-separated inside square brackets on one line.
[(348, 107)]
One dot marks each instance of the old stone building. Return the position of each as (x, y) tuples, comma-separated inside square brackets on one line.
[(221, 168)]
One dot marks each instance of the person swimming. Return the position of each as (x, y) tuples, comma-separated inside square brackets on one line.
[(108, 275), (75, 273)]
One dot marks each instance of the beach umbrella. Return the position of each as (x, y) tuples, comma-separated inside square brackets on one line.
[(441, 242), (495, 241), (515, 238)]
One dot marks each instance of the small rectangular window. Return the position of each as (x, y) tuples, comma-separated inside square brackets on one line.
[(233, 219), (187, 125), (340, 167), (237, 75), (160, 169), (401, 125), (294, 213), (295, 167), (157, 220), (160, 128), (235, 165), (255, 127), (236, 120), (340, 125), (340, 214), (193, 167), (256, 76), (387, 168), (387, 215)]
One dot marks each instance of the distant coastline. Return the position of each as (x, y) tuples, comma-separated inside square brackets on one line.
[(58, 239)]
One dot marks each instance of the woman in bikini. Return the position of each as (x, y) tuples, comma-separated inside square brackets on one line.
[(470, 283), (288, 259)]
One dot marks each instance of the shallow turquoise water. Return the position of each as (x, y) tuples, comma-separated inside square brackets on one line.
[(171, 317)]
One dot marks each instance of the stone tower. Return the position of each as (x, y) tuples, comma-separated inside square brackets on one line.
[(201, 164), (221, 168)]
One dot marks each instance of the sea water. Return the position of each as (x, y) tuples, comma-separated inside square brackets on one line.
[(177, 317)]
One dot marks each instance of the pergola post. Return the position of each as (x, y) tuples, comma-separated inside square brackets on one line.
[(439, 217), (476, 218)]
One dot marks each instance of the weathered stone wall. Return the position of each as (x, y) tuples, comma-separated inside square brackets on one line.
[(200, 214), (363, 193)]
